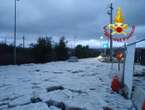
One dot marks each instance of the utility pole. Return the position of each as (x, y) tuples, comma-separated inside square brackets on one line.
[(23, 41), (111, 21), (5, 40)]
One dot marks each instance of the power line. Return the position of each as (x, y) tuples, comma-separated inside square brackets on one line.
[(135, 42)]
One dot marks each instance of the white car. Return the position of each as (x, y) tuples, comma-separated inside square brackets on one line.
[(73, 59)]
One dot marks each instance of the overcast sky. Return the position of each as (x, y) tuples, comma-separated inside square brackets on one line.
[(81, 21)]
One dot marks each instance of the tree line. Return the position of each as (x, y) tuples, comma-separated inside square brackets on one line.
[(45, 50)]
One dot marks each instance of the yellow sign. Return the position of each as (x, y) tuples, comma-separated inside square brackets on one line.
[(118, 27)]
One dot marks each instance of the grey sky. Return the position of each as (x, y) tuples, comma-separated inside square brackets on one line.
[(82, 19)]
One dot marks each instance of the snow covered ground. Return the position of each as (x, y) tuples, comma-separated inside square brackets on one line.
[(83, 85)]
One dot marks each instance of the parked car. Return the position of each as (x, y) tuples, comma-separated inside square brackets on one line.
[(73, 59)]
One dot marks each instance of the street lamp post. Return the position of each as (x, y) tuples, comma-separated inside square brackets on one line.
[(15, 31), (14, 51)]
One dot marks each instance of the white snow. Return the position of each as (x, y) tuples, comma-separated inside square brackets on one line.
[(86, 84), (37, 106)]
